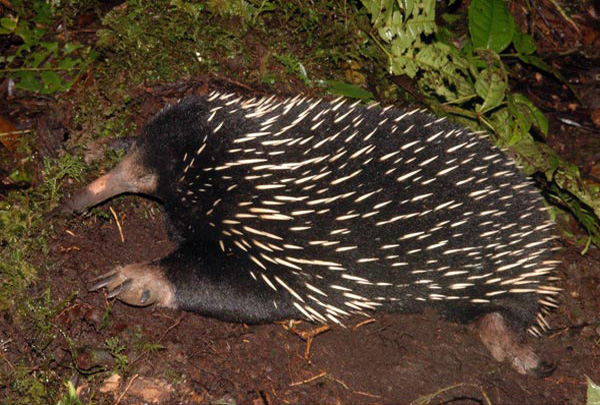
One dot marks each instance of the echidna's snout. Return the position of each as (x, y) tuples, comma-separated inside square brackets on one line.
[(129, 176)]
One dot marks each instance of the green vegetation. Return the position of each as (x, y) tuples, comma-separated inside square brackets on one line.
[(71, 397), (24, 229), (117, 350), (41, 64)]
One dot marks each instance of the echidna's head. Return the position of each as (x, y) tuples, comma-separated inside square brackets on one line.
[(171, 137), (177, 146)]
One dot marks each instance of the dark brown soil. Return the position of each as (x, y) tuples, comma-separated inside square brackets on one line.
[(390, 359)]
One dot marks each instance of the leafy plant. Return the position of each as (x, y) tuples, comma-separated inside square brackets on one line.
[(471, 82), (68, 166), (240, 8), (71, 397), (41, 63), (294, 66), (117, 349), (348, 90)]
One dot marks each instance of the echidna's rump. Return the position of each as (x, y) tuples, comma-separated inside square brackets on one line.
[(306, 208)]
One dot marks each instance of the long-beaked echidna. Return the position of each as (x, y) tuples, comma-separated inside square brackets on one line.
[(319, 210)]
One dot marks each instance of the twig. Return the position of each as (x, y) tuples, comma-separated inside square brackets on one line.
[(313, 378), (367, 394), (363, 323), (308, 336), (21, 132), (428, 398), (170, 328), (126, 389), (118, 224)]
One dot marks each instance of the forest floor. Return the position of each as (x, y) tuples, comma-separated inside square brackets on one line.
[(114, 353)]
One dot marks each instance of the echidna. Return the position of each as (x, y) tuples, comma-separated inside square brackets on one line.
[(319, 210)]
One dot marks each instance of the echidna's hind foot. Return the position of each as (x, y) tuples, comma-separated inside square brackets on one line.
[(138, 284), (505, 345)]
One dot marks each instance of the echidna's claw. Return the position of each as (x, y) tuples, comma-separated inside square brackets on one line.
[(145, 297), (137, 284), (124, 286), (103, 280)]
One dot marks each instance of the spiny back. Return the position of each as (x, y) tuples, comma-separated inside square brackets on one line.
[(348, 208)]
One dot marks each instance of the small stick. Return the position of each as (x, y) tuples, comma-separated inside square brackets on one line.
[(126, 389), (366, 394), (118, 224), (308, 336), (365, 322), (315, 377)]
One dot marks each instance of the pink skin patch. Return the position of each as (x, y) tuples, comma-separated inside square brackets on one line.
[(99, 185)]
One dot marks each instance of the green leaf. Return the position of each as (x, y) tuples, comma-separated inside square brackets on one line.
[(37, 58), (490, 24), (68, 63), (519, 114), (553, 165), (52, 81), (70, 48), (50, 46), (8, 25), (524, 43), (593, 392), (193, 10), (349, 90), (534, 114), (491, 87), (44, 12), (21, 175), (28, 81), (7, 59), (379, 10), (31, 37), (501, 124)]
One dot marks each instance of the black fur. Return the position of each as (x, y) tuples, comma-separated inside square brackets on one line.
[(212, 282)]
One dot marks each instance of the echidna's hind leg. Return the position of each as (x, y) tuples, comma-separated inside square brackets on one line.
[(505, 345)]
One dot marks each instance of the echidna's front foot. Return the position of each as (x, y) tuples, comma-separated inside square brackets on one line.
[(139, 285)]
